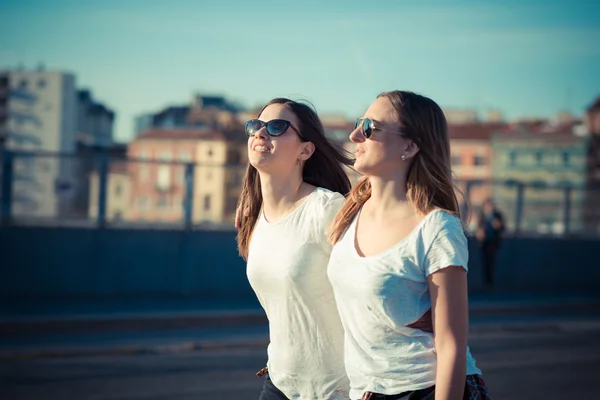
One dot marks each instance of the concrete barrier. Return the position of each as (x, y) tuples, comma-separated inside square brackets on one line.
[(51, 262)]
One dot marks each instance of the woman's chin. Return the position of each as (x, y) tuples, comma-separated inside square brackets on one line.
[(257, 160), (261, 164), (360, 167)]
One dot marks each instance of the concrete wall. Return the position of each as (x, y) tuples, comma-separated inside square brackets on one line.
[(62, 262), (529, 264), (69, 262)]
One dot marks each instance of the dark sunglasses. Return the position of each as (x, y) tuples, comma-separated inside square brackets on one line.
[(275, 127), (367, 127)]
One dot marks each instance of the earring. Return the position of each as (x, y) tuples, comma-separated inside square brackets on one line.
[(403, 157)]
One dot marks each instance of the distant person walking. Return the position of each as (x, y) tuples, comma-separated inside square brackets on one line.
[(489, 235), (294, 186)]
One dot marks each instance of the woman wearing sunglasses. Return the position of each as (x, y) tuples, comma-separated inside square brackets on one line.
[(398, 267), (293, 188)]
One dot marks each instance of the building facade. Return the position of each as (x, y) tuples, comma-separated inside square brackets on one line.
[(94, 121), (118, 196), (471, 157), (40, 115), (156, 177), (546, 164)]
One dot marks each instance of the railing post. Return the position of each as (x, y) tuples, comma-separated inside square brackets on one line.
[(519, 207), (102, 190), (567, 209), (189, 195), (7, 186)]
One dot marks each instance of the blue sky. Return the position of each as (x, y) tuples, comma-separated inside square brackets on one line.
[(526, 58)]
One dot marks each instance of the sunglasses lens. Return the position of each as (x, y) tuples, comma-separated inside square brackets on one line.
[(367, 127), (252, 126), (277, 127)]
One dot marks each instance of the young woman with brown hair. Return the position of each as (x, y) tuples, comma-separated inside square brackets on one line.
[(398, 267), (294, 186)]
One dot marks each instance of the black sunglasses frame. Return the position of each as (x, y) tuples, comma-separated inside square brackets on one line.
[(269, 127)]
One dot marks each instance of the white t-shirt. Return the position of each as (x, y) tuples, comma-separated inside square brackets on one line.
[(287, 268), (379, 295)]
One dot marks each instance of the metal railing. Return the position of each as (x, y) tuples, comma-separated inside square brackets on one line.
[(535, 208), (101, 190)]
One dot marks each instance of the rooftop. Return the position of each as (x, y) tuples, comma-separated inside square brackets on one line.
[(180, 134)]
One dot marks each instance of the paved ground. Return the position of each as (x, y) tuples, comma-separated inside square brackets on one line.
[(538, 358), (529, 347)]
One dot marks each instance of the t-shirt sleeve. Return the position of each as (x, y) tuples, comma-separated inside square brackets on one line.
[(448, 246), (330, 209)]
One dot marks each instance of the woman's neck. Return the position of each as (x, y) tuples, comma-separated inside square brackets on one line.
[(389, 196), (281, 195)]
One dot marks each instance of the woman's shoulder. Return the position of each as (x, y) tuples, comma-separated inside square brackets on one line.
[(326, 204), (441, 221), (325, 196)]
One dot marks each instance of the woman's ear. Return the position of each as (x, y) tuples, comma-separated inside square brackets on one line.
[(308, 148), (411, 149)]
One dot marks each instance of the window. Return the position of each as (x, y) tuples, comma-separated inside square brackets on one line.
[(210, 152), (479, 160), (232, 176), (207, 202), (231, 204), (144, 174), (181, 174), (185, 157), (163, 178), (143, 203), (539, 158), (144, 155), (23, 84), (162, 202), (118, 190), (564, 184), (538, 184), (234, 157), (165, 156), (176, 202), (512, 158), (566, 159), (41, 84), (456, 159)]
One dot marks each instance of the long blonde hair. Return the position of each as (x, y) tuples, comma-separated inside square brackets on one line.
[(429, 181)]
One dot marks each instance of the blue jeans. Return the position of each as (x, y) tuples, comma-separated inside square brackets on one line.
[(270, 392), (475, 389)]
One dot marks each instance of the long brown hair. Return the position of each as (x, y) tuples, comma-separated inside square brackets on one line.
[(323, 169), (429, 181)]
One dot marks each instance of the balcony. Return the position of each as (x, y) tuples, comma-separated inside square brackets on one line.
[(164, 187)]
